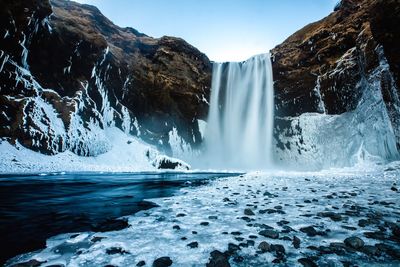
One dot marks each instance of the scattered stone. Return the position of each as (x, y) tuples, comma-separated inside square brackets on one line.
[(375, 235), (176, 227), (162, 262), (250, 242), (193, 244), (218, 259), (96, 239), (238, 259), (309, 230), (332, 215), (232, 248), (278, 249), (354, 242), (269, 233), (111, 225), (204, 223), (349, 227), (248, 212), (306, 262), (141, 263), (264, 246), (371, 251), (116, 250), (30, 263), (394, 189), (236, 233), (296, 242), (180, 215), (389, 250)]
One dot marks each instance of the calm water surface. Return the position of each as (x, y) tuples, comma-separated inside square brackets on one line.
[(36, 207)]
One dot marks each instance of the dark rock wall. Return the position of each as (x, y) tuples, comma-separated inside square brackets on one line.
[(327, 66), (94, 74)]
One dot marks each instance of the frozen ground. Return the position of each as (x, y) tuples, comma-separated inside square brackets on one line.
[(127, 154), (288, 218)]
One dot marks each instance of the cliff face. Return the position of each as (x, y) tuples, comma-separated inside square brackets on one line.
[(334, 67), (67, 72)]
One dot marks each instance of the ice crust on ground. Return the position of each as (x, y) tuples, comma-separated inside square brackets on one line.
[(126, 154), (296, 197)]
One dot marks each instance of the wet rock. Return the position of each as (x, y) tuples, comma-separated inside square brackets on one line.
[(236, 233), (30, 263), (309, 230), (238, 259), (338, 248), (375, 235), (180, 215), (218, 259), (282, 222), (354, 242), (269, 233), (250, 242), (232, 248), (393, 188), (116, 250), (371, 251), (306, 262), (248, 212), (176, 227), (141, 263), (162, 262), (389, 250), (332, 215), (349, 227), (204, 223), (264, 246), (278, 249), (193, 244), (111, 225), (296, 242), (97, 239)]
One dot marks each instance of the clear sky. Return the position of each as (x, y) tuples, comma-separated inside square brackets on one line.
[(225, 30)]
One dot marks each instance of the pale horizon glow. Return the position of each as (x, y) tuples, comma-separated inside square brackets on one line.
[(225, 30)]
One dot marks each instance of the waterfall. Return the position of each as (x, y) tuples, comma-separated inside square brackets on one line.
[(240, 123)]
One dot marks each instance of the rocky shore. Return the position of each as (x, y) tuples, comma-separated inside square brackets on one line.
[(335, 218)]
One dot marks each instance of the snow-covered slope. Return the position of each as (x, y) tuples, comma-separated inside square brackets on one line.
[(126, 154)]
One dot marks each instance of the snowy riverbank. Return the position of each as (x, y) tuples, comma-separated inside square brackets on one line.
[(127, 154), (330, 218)]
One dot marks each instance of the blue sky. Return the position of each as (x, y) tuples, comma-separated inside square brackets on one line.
[(225, 30)]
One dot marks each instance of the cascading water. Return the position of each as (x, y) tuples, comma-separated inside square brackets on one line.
[(240, 123)]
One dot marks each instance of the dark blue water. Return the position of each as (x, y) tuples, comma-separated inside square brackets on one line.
[(34, 208)]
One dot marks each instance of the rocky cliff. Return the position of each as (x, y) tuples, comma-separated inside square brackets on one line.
[(346, 68), (67, 73)]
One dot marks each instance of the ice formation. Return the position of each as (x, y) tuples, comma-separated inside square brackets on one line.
[(368, 133)]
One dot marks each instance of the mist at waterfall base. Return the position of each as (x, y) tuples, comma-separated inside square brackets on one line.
[(240, 123)]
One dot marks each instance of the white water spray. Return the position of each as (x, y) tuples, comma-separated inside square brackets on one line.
[(240, 123)]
